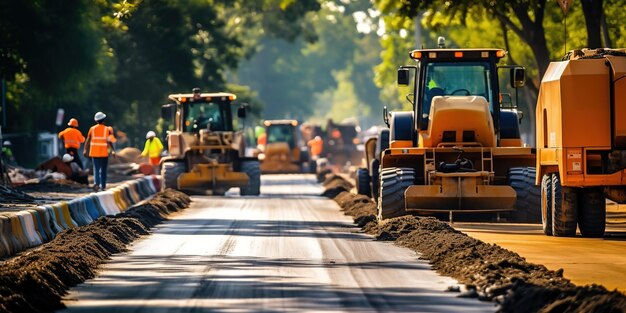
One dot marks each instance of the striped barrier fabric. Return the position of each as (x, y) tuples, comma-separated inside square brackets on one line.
[(35, 226)]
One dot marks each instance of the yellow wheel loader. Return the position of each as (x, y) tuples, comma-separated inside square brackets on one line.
[(581, 140), (459, 149), (284, 150), (206, 153)]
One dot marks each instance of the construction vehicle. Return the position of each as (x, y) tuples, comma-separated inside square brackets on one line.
[(284, 151), (341, 145), (206, 153), (367, 177), (458, 150), (581, 140)]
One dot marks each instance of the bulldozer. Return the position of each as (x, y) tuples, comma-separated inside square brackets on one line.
[(459, 149), (284, 150), (206, 153), (581, 140)]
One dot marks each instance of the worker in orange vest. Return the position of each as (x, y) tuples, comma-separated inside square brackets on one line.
[(261, 141), (99, 139), (72, 138), (316, 145)]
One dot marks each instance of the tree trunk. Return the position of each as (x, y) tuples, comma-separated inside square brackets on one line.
[(592, 9), (606, 38)]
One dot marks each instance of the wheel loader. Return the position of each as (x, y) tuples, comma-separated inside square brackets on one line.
[(206, 153), (459, 149), (284, 150), (581, 140)]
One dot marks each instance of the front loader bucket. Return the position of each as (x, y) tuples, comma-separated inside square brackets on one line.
[(206, 177), (460, 192)]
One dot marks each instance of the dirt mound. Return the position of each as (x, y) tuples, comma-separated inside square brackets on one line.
[(335, 184), (490, 272), (127, 155), (360, 207), (37, 280), (55, 185)]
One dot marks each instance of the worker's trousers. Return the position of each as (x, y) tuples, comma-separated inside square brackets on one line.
[(100, 171)]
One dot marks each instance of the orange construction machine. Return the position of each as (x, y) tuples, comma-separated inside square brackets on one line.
[(459, 149), (206, 152), (581, 140), (284, 150)]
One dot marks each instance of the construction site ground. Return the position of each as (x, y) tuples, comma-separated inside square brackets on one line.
[(292, 250)]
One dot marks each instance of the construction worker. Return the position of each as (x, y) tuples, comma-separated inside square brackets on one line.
[(99, 139), (78, 174), (316, 146), (261, 140), (72, 138), (7, 153), (196, 94), (152, 148)]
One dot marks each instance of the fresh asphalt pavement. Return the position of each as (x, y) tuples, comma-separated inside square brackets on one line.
[(288, 250)]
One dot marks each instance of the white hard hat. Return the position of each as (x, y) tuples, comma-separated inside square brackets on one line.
[(6, 143), (67, 157), (99, 116), (150, 134)]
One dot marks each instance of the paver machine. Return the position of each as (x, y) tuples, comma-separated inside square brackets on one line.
[(206, 153), (581, 140), (284, 150), (459, 149)]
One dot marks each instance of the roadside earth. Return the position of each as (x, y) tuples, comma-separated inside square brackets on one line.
[(37, 279), (489, 272)]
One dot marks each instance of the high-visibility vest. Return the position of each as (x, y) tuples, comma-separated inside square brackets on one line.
[(100, 136), (262, 140), (316, 146), (72, 137), (152, 148)]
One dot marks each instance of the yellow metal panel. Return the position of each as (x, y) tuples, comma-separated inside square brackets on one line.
[(400, 144), (585, 104), (469, 113), (469, 197)]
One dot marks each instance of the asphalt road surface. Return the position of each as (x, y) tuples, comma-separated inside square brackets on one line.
[(583, 260), (288, 250)]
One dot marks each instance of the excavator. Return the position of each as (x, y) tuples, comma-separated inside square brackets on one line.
[(459, 149)]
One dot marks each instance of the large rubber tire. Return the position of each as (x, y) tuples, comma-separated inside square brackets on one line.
[(564, 208), (592, 212), (170, 172), (363, 182), (393, 182), (375, 176), (251, 168), (546, 204), (528, 203)]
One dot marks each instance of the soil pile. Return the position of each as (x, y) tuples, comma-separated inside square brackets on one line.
[(37, 280), (335, 184), (490, 272)]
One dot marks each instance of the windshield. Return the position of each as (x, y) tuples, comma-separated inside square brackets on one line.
[(281, 133), (200, 115), (456, 79)]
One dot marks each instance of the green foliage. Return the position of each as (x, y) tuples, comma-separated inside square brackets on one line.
[(123, 57)]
